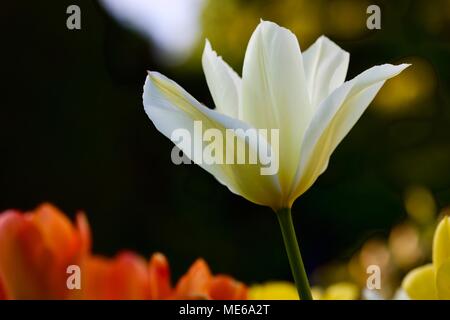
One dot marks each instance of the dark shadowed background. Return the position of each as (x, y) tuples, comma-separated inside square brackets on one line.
[(74, 132)]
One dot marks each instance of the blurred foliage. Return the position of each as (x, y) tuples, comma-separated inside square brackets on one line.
[(74, 132), (407, 245), (410, 92), (229, 24)]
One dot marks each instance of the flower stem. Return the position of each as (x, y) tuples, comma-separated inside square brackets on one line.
[(293, 252)]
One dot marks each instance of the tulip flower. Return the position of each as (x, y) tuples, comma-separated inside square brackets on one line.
[(127, 276), (281, 290), (37, 247), (432, 281), (273, 290), (35, 250), (124, 277), (2, 291), (199, 283), (303, 96)]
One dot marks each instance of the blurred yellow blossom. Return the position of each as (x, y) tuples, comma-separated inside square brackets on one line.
[(420, 204), (408, 91), (230, 23), (347, 18), (432, 281), (341, 291), (404, 244), (273, 290), (283, 290), (374, 252)]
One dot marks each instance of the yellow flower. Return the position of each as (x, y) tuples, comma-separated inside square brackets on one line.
[(274, 290), (283, 290), (341, 291), (432, 281)]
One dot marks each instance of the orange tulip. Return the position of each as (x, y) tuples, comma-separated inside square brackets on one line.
[(35, 250), (2, 291), (124, 277), (37, 247), (159, 273), (128, 277), (199, 283)]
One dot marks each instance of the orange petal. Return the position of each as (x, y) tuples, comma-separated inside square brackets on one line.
[(35, 250), (59, 234), (25, 262), (226, 288), (195, 283), (84, 232), (95, 278), (2, 291), (124, 277), (159, 276)]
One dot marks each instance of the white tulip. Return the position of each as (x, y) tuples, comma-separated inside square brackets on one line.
[(304, 95)]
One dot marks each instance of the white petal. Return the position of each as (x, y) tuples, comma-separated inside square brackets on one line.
[(223, 82), (170, 107), (274, 93), (325, 68), (334, 118)]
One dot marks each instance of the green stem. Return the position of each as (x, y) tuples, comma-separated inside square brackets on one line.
[(293, 252)]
